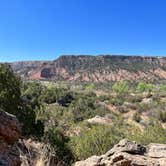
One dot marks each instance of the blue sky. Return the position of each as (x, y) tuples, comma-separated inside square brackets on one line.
[(45, 29)]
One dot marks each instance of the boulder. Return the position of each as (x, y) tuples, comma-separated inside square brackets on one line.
[(129, 153), (130, 147), (157, 150), (10, 128), (10, 131)]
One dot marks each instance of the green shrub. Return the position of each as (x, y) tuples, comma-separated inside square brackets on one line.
[(55, 115), (83, 108), (58, 142), (23, 106), (117, 101), (31, 93), (52, 94), (90, 87), (29, 108), (153, 133), (10, 90), (163, 88), (96, 141), (121, 87), (145, 87)]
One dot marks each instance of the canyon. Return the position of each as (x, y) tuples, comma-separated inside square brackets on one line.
[(101, 68)]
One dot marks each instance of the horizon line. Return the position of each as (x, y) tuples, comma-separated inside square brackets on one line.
[(93, 55)]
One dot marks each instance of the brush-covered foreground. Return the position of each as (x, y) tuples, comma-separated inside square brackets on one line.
[(75, 121)]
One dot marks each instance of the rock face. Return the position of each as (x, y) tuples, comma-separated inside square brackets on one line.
[(157, 150), (128, 153), (100, 68), (10, 131)]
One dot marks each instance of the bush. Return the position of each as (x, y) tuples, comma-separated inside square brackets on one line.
[(22, 106), (31, 93), (53, 94), (163, 88), (121, 87), (99, 139), (153, 133), (30, 125), (90, 87), (145, 87), (58, 142), (96, 141), (29, 108), (83, 108), (117, 101), (10, 90)]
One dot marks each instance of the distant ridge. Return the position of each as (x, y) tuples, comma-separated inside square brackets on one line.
[(87, 68)]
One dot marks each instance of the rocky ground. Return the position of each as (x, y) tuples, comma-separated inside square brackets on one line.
[(28, 152), (128, 153), (16, 151)]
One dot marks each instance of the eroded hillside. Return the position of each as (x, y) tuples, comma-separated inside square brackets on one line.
[(101, 68)]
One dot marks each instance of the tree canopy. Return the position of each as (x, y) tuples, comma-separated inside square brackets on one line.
[(10, 90)]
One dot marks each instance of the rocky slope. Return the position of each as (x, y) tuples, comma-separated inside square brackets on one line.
[(127, 153), (94, 68), (29, 152), (15, 151)]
